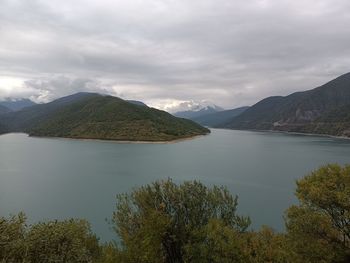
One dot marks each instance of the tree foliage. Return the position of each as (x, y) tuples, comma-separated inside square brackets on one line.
[(65, 241), (160, 221), (95, 116), (12, 233), (319, 227)]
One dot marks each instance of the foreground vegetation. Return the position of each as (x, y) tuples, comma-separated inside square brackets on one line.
[(165, 222)]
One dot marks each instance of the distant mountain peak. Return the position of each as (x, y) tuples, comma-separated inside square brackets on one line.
[(195, 109), (193, 105)]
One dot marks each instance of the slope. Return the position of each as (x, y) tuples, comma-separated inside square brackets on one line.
[(297, 111), (218, 118), (94, 116)]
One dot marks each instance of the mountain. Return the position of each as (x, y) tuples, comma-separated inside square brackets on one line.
[(95, 116), (334, 122), (136, 102), (30, 117), (4, 109), (16, 105), (3, 129), (192, 114), (219, 118), (311, 111)]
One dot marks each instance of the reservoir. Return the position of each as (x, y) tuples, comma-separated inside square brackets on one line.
[(62, 178)]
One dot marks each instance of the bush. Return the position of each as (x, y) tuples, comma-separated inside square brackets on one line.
[(319, 227), (161, 222), (65, 241)]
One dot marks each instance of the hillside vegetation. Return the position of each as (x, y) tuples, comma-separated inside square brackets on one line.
[(94, 116), (323, 110)]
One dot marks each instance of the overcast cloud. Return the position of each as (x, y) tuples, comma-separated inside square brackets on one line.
[(165, 52)]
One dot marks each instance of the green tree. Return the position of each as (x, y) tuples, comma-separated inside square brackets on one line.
[(319, 228), (110, 254), (161, 221), (65, 241), (215, 242), (267, 246), (55, 241), (12, 234)]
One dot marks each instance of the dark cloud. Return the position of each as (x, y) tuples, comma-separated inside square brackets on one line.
[(232, 53)]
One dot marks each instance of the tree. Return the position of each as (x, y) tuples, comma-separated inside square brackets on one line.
[(158, 222), (267, 246), (319, 228), (216, 242), (65, 241), (55, 241), (12, 234)]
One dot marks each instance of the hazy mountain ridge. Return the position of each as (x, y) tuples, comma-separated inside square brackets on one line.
[(4, 109), (95, 116), (219, 118), (16, 105), (310, 111), (199, 111)]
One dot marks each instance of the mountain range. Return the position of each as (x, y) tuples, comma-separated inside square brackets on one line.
[(4, 109), (96, 116), (16, 105), (198, 111), (323, 110), (218, 118), (210, 115)]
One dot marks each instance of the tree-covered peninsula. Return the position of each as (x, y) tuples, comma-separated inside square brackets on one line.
[(95, 116)]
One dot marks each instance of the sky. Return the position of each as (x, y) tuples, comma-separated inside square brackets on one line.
[(171, 53)]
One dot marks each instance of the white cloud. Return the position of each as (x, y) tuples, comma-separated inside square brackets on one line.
[(230, 52), (174, 106)]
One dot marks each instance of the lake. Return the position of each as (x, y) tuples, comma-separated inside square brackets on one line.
[(62, 178)]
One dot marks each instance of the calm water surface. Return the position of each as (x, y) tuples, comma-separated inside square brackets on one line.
[(58, 178)]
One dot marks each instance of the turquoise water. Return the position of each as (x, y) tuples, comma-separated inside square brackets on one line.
[(62, 178)]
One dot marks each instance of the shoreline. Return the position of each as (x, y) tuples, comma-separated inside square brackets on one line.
[(112, 140), (318, 135), (291, 133), (186, 138)]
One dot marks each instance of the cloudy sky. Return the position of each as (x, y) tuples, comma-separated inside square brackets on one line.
[(166, 52)]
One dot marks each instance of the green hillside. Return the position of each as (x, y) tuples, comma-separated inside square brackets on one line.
[(94, 116), (334, 122), (314, 111), (31, 117)]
